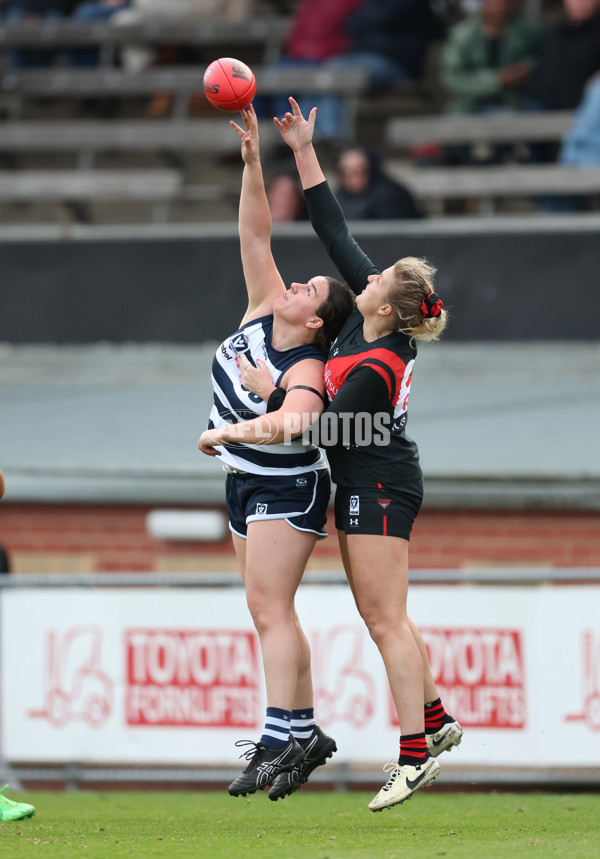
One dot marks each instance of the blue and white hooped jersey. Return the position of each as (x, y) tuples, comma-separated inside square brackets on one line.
[(233, 404)]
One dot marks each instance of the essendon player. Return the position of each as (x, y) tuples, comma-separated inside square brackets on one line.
[(379, 485)]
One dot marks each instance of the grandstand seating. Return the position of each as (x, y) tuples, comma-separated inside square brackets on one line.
[(265, 34), (165, 187), (141, 135), (157, 187), (495, 128), (180, 81), (398, 119), (488, 184)]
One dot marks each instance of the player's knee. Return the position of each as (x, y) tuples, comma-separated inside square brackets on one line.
[(268, 614), (382, 627)]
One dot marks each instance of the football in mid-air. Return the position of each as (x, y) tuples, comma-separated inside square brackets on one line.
[(229, 84)]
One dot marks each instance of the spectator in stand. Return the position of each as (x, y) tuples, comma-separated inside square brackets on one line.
[(136, 58), (484, 68), (487, 59), (569, 57), (37, 10), (581, 144), (580, 148), (34, 11), (90, 13), (317, 33), (286, 199), (387, 38), (364, 191)]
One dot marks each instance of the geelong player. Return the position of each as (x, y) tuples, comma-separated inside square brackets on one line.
[(277, 494), (379, 479)]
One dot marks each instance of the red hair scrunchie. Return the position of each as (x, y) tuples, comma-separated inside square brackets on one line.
[(431, 305)]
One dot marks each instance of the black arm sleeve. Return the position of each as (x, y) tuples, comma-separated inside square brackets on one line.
[(330, 225), (275, 401), (363, 391)]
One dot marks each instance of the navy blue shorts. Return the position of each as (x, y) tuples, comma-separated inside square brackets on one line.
[(381, 509), (300, 499)]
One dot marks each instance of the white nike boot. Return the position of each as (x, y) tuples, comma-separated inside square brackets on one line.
[(403, 782), (448, 735)]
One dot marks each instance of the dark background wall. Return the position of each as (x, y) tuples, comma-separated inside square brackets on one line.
[(497, 286)]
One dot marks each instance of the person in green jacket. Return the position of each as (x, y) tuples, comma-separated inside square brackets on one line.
[(487, 59)]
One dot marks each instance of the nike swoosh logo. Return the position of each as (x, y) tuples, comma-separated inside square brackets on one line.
[(413, 784), (441, 740)]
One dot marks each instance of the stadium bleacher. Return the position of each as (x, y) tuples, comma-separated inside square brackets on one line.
[(47, 125)]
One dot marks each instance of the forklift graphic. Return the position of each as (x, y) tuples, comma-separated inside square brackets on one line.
[(590, 704), (75, 687), (344, 689)]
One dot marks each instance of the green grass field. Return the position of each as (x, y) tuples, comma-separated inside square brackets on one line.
[(308, 825)]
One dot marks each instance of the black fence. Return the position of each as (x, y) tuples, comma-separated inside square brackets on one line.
[(501, 284)]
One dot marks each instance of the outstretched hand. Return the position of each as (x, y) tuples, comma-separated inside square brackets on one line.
[(248, 135), (295, 130)]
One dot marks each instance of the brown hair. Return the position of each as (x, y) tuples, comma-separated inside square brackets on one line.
[(414, 280), (334, 311)]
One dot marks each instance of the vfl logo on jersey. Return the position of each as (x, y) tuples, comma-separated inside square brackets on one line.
[(384, 502), (261, 509), (239, 343), (354, 505), (302, 481)]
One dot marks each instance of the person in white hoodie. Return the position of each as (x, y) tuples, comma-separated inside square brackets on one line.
[(136, 58)]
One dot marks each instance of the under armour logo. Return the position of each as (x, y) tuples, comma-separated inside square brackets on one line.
[(354, 522)]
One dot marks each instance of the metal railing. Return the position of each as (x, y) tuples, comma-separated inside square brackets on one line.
[(479, 576)]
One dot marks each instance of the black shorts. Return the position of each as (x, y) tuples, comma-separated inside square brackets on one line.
[(379, 509), (300, 499)]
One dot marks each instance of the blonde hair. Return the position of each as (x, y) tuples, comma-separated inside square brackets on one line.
[(414, 281)]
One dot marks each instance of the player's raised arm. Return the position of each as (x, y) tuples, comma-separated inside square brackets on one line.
[(298, 134), (325, 213), (263, 281)]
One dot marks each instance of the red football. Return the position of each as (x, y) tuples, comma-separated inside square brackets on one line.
[(229, 84)]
